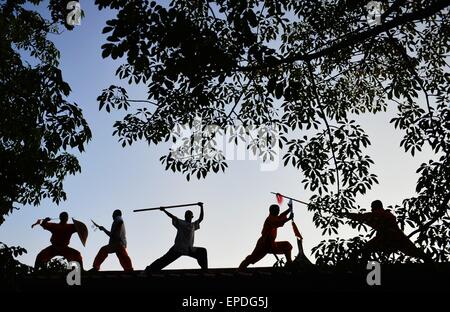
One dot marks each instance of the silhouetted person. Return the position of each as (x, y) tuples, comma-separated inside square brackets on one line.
[(61, 234), (389, 237), (184, 242), (266, 243), (117, 244)]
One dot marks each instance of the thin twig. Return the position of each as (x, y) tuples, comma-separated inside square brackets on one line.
[(143, 101), (316, 95)]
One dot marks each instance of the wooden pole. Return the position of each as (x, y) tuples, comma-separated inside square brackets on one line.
[(168, 207)]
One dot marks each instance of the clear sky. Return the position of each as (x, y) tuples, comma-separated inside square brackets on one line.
[(236, 203)]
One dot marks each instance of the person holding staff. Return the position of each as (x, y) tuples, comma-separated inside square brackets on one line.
[(184, 242), (267, 242)]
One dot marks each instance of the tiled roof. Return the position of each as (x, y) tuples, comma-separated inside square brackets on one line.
[(253, 280)]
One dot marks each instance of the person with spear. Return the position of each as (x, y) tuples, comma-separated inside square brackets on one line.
[(60, 239), (301, 261), (267, 242), (117, 244), (184, 241)]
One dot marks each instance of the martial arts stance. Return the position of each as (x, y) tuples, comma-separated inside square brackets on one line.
[(266, 243), (61, 234), (389, 237), (117, 244), (184, 242)]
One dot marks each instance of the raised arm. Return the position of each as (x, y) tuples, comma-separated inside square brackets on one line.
[(46, 224), (287, 211), (283, 217), (168, 214), (360, 217), (202, 213)]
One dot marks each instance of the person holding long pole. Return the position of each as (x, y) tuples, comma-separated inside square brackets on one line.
[(267, 242), (184, 241)]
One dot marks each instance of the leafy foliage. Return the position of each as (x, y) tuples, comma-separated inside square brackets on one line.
[(308, 67), (38, 125), (55, 265), (10, 268)]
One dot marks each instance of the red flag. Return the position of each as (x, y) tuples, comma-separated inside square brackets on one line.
[(279, 198), (296, 231)]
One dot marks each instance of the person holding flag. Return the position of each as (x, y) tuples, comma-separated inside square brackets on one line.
[(267, 242)]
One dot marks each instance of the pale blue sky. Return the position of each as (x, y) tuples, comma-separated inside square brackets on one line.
[(236, 203)]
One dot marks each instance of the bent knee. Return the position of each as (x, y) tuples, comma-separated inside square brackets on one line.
[(285, 245), (74, 255), (282, 247), (105, 248)]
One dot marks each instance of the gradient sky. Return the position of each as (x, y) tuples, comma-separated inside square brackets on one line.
[(236, 202)]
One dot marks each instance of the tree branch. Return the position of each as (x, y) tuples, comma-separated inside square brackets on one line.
[(316, 95), (244, 89), (143, 101), (394, 7), (410, 67), (212, 11), (354, 38), (439, 214)]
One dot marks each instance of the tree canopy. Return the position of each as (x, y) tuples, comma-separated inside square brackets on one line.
[(308, 67), (38, 125)]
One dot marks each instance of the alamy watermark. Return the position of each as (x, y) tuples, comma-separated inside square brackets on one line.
[(374, 12), (199, 141), (374, 276), (74, 16), (74, 276)]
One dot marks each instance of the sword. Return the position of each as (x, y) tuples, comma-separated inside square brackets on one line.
[(96, 225)]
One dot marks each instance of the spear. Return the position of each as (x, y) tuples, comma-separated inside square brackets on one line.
[(296, 200), (302, 202), (168, 207)]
